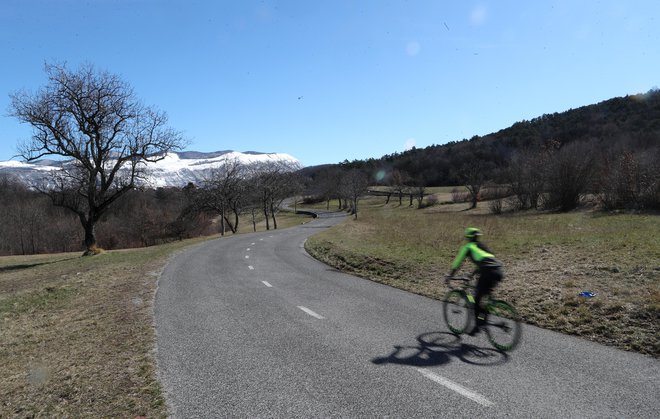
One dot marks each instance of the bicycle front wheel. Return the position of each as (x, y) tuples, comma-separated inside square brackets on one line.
[(503, 326), (457, 311)]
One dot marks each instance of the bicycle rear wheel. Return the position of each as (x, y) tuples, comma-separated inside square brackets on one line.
[(503, 326), (457, 311)]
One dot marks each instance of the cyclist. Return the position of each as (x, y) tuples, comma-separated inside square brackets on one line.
[(490, 271)]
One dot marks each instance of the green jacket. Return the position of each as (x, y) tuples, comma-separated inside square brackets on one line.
[(478, 253)]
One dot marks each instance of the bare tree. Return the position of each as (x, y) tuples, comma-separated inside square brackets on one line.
[(473, 176), (327, 185), (400, 181), (418, 190), (93, 118), (628, 179), (274, 182), (568, 173), (354, 184), (526, 179), (224, 193)]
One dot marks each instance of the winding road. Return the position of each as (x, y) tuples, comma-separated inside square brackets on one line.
[(252, 326)]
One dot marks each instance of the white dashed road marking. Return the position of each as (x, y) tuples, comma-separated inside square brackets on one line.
[(465, 392), (266, 283), (250, 267), (311, 313)]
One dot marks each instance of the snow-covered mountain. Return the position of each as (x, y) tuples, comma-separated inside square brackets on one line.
[(176, 169)]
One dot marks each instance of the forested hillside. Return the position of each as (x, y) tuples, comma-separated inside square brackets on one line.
[(624, 124)]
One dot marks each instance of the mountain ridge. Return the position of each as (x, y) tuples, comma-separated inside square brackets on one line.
[(176, 169)]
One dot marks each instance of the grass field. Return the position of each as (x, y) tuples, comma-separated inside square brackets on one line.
[(549, 259), (77, 335)]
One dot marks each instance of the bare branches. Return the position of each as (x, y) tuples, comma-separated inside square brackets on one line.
[(93, 118)]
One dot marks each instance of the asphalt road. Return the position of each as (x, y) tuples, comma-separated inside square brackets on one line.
[(251, 326)]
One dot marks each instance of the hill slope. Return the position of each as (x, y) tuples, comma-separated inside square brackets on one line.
[(625, 123)]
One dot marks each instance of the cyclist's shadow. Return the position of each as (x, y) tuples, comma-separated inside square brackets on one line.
[(438, 348)]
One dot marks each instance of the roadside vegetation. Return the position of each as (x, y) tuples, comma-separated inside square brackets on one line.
[(549, 259), (77, 335)]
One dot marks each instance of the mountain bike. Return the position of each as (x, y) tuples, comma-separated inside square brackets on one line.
[(502, 323)]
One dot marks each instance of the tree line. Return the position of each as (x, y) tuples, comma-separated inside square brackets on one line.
[(608, 151), (35, 223), (234, 197)]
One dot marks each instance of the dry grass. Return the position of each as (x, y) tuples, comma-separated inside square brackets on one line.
[(549, 258), (77, 335)]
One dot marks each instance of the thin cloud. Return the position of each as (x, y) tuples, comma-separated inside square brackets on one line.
[(478, 15)]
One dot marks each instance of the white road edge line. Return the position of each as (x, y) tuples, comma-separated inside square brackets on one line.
[(311, 313), (465, 392), (266, 283)]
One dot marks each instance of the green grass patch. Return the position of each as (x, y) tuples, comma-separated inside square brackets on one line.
[(47, 299)]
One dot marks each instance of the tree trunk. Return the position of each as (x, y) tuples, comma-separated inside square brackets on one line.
[(235, 221), (266, 215), (420, 200), (228, 223), (222, 222), (90, 238), (272, 213), (254, 219)]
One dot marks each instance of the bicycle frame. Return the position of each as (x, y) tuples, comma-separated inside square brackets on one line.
[(491, 307), (469, 286)]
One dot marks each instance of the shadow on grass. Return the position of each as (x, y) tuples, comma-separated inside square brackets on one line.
[(10, 268), (439, 348)]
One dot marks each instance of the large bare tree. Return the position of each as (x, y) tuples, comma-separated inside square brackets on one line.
[(93, 119)]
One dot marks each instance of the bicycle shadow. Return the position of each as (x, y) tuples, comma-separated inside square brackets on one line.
[(439, 348)]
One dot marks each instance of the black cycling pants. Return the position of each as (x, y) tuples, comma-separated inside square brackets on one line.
[(488, 280)]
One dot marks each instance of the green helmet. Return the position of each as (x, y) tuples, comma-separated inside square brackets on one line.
[(472, 232)]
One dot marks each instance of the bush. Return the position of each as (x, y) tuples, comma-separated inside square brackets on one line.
[(458, 196), (431, 200), (496, 206)]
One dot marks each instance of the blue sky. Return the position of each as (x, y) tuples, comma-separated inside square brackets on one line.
[(339, 79)]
